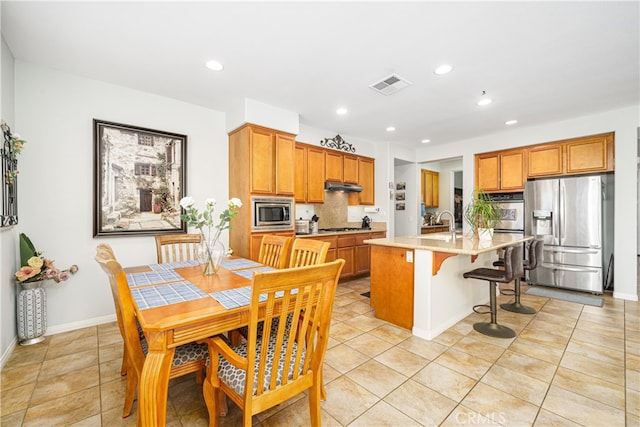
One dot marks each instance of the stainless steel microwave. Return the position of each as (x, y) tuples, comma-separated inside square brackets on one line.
[(272, 213)]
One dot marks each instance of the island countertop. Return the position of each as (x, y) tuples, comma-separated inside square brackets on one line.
[(442, 242)]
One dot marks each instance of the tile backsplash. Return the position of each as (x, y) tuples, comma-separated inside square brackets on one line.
[(334, 211)]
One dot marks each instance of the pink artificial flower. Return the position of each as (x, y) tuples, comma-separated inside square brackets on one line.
[(62, 276)]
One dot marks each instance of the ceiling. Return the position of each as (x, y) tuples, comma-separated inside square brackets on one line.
[(538, 61)]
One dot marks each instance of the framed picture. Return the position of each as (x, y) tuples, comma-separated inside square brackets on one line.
[(139, 179), (400, 195), (399, 206), (401, 186)]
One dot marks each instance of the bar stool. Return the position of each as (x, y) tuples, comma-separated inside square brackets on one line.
[(534, 254), (512, 268)]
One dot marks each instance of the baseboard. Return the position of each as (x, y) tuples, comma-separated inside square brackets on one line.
[(51, 330), (7, 353), (628, 297)]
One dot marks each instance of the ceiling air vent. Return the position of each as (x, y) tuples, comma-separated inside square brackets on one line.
[(390, 85)]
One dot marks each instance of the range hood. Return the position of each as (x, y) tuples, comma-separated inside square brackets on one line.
[(347, 188)]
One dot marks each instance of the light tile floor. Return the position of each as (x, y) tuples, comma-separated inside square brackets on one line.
[(570, 364)]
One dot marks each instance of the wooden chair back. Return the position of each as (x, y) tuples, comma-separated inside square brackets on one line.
[(308, 252), (287, 359), (274, 250), (177, 247)]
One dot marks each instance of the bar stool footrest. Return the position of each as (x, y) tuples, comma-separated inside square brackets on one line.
[(508, 292), (487, 306)]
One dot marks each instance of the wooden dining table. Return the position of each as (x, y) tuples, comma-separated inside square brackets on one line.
[(167, 326)]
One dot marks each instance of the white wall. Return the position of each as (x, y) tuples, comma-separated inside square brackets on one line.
[(54, 112), (8, 236), (405, 220), (624, 122)]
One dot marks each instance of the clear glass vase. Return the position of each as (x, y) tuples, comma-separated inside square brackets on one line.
[(210, 254)]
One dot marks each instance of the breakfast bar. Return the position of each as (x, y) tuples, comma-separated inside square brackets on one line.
[(417, 283)]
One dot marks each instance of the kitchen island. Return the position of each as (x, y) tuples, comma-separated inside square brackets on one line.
[(417, 283)]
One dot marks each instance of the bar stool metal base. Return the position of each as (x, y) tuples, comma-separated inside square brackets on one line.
[(516, 307), (494, 330)]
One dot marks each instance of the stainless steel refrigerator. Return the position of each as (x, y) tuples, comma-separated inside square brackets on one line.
[(574, 217)]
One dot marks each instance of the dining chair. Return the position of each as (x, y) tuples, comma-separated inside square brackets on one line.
[(308, 252), (274, 250), (188, 358), (107, 252), (282, 363), (177, 247)]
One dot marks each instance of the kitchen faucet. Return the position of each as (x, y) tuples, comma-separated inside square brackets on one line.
[(452, 227)]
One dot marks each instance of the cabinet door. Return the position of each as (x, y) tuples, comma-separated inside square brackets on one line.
[(545, 160), (333, 166), (589, 154), (347, 254), (262, 161), (512, 176), (430, 188), (285, 165), (366, 178), (315, 175), (300, 180), (435, 189), (350, 169), (488, 172), (392, 285)]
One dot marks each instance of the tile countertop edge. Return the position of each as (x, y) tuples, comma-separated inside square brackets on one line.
[(462, 245)]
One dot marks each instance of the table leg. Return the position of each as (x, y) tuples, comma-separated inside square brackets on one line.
[(153, 387)]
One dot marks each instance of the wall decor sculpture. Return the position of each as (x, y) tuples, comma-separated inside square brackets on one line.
[(139, 179), (11, 147)]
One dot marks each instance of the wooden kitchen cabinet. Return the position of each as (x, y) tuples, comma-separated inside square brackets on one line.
[(501, 170), (334, 167), (430, 188), (346, 251), (587, 154), (392, 285), (434, 229), (309, 173), (268, 158), (366, 178), (350, 169)]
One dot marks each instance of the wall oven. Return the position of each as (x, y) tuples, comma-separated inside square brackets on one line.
[(272, 213), (512, 205)]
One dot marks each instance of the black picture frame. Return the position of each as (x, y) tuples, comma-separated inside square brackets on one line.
[(9, 155), (139, 179)]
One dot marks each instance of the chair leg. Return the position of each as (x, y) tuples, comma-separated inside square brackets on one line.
[(516, 307), (130, 393), (315, 393), (492, 328), (123, 368)]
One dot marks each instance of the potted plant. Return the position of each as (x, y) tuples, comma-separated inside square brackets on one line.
[(482, 213)]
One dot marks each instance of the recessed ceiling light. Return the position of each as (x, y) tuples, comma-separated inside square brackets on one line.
[(425, 141), (214, 65), (510, 122), (443, 69), (484, 99), (341, 111), (390, 128)]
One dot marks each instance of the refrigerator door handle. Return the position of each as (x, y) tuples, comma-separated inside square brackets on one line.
[(576, 269), (563, 212), (594, 251)]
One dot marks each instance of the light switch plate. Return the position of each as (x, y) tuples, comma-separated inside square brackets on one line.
[(409, 256)]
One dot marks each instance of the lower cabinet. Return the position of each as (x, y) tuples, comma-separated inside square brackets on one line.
[(392, 285), (434, 229), (352, 249)]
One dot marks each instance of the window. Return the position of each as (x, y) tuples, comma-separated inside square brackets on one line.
[(145, 139), (145, 169)]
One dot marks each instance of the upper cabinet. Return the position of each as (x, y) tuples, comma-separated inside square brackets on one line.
[(309, 173), (430, 188), (508, 170), (261, 161), (572, 156), (333, 167), (350, 169), (501, 170), (366, 178)]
